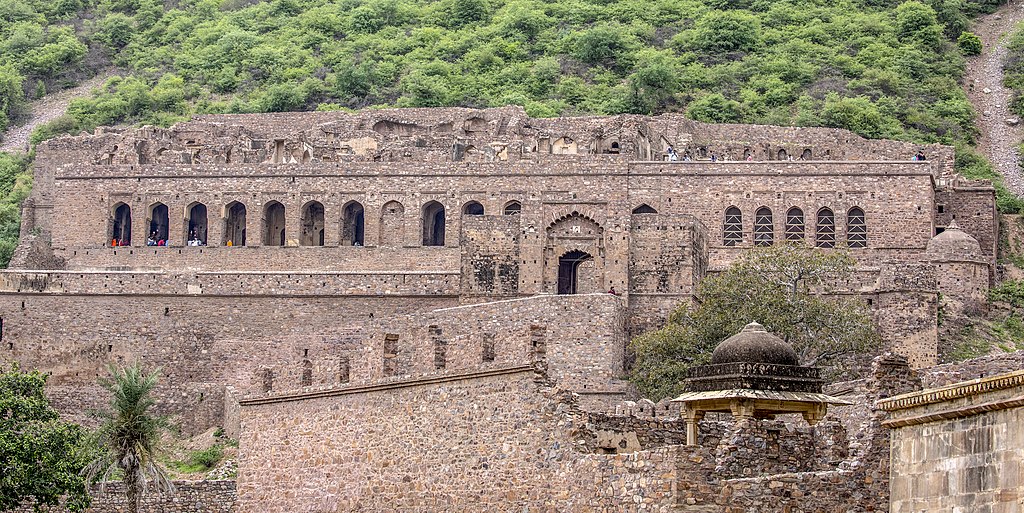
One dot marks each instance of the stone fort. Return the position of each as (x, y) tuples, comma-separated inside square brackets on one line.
[(319, 283)]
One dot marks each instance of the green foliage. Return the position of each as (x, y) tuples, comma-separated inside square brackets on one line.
[(719, 32), (1013, 70), (968, 345), (917, 23), (969, 43), (41, 456), (1009, 291), (715, 108), (859, 115), (12, 96), (129, 436), (971, 164), (201, 460), (15, 185), (891, 66), (780, 287)]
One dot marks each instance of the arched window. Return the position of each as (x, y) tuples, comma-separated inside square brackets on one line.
[(234, 224), (733, 233), (644, 209), (312, 224), (473, 208), (352, 224), (782, 155), (856, 229), (764, 228), (392, 224), (825, 229), (197, 225), (273, 224), (433, 224), (794, 225), (159, 222), (513, 208), (806, 155), (122, 225)]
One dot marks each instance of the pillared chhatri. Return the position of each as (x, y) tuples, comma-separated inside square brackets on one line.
[(355, 295)]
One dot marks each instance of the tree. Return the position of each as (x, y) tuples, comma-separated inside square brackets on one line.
[(969, 43), (41, 456), (714, 108), (783, 287), (130, 435), (727, 31)]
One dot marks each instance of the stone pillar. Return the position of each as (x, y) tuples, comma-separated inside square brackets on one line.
[(176, 232), (692, 418)]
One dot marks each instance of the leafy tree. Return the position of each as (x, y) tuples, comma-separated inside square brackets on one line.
[(41, 456), (115, 30), (464, 12), (12, 96), (715, 108), (727, 31), (969, 43), (917, 22), (858, 115), (651, 87), (130, 435), (784, 288), (601, 44)]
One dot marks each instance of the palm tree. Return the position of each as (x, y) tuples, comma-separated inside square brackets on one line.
[(129, 436)]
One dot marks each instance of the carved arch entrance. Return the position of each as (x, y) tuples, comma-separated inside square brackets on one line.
[(574, 256)]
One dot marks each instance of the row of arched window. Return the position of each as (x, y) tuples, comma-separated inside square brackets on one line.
[(274, 230), (824, 226)]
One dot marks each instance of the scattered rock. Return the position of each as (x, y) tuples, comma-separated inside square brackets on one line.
[(986, 90), (986, 113), (1012, 121)]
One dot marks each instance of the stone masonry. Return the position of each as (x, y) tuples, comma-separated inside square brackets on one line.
[(404, 309)]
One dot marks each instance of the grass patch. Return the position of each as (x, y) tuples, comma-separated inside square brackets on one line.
[(199, 461)]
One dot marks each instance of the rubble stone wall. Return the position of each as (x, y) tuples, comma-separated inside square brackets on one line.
[(189, 497)]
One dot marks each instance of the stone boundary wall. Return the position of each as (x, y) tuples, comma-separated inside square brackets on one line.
[(217, 258), (579, 339), (189, 497), (373, 447), (160, 283)]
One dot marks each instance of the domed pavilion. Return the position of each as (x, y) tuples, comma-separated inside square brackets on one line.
[(753, 374)]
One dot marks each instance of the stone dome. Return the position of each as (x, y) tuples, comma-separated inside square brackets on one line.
[(953, 244), (754, 345)]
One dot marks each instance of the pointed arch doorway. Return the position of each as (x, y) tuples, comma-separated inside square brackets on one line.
[(569, 266)]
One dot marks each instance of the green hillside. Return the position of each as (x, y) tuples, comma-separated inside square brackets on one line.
[(880, 68)]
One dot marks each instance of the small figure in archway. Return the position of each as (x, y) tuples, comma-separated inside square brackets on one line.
[(672, 156), (612, 291), (920, 155)]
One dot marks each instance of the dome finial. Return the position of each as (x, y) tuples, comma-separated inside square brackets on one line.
[(753, 327), (953, 225)]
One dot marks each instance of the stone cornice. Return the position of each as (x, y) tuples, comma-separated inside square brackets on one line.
[(954, 391), (956, 413)]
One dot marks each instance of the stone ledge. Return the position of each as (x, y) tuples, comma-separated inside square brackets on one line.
[(404, 383), (954, 391), (957, 413)]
